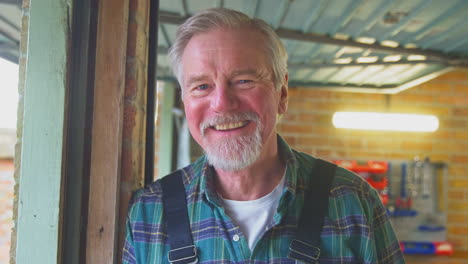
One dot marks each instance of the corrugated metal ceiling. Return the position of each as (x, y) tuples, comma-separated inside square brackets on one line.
[(359, 45), (10, 24)]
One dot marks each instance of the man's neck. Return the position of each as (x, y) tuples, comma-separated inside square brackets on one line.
[(253, 182)]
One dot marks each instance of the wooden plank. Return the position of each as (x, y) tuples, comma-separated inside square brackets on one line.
[(79, 122), (111, 47), (38, 223)]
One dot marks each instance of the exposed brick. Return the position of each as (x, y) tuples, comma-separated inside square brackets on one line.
[(315, 118), (457, 206), (296, 128), (337, 143), (436, 87), (452, 100), (314, 94), (453, 124), (290, 116), (312, 141), (461, 88), (453, 75), (442, 157), (416, 146), (458, 218), (291, 140), (132, 43), (459, 183), (457, 229), (457, 170), (460, 159), (130, 85), (450, 147), (456, 195), (460, 111), (414, 98)]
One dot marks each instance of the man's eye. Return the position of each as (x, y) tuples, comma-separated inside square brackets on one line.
[(244, 81), (202, 87)]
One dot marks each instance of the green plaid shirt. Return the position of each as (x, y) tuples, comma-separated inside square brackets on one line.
[(356, 229)]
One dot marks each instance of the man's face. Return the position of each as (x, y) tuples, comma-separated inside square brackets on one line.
[(230, 100)]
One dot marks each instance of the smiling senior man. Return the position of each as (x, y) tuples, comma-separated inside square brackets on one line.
[(250, 198)]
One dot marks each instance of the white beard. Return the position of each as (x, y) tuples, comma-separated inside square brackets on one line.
[(233, 153)]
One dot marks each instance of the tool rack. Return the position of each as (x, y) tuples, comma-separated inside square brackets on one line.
[(415, 194)]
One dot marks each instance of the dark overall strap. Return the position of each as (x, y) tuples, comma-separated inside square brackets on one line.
[(306, 245), (183, 250)]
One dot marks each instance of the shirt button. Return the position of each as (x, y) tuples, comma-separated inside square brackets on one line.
[(235, 238)]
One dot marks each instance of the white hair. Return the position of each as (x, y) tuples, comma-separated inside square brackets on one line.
[(213, 18)]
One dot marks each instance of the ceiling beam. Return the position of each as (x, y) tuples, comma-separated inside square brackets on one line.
[(9, 37), (354, 63), (11, 2), (9, 57), (8, 22), (313, 37), (176, 19), (4, 46)]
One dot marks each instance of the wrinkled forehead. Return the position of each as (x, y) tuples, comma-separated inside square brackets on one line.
[(224, 46)]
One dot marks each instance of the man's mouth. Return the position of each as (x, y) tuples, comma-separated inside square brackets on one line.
[(229, 126)]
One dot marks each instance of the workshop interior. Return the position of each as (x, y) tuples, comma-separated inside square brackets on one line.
[(379, 87)]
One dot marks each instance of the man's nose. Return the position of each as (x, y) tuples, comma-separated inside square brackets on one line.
[(225, 99)]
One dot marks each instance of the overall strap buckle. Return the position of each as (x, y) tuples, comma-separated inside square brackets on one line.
[(303, 251), (183, 255)]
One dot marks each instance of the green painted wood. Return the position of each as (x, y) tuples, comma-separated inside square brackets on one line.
[(166, 127), (38, 223)]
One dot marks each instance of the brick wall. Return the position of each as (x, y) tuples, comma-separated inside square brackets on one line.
[(134, 120), (307, 127), (6, 207)]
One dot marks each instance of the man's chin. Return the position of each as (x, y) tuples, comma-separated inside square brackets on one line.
[(227, 164), (233, 155)]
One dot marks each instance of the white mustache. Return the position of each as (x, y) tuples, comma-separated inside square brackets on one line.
[(228, 118)]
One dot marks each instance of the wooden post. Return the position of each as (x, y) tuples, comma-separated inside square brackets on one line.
[(111, 46)]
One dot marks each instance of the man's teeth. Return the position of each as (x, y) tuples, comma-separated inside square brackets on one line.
[(229, 126)]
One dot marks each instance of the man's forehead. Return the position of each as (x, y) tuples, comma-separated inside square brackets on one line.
[(197, 76)]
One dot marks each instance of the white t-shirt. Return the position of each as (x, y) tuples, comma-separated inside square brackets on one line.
[(254, 216)]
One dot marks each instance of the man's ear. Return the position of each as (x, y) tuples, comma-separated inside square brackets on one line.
[(283, 102)]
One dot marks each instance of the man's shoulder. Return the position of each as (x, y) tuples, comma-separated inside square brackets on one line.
[(345, 182), (152, 193)]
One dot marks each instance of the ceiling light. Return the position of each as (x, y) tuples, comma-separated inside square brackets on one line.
[(341, 36), (416, 57), (386, 121), (411, 45), (366, 40), (367, 59), (392, 58), (343, 61), (389, 43)]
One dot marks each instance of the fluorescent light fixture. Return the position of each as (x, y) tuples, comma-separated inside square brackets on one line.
[(392, 58), (385, 121), (366, 40), (416, 57), (341, 36), (369, 59), (343, 60), (389, 43)]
